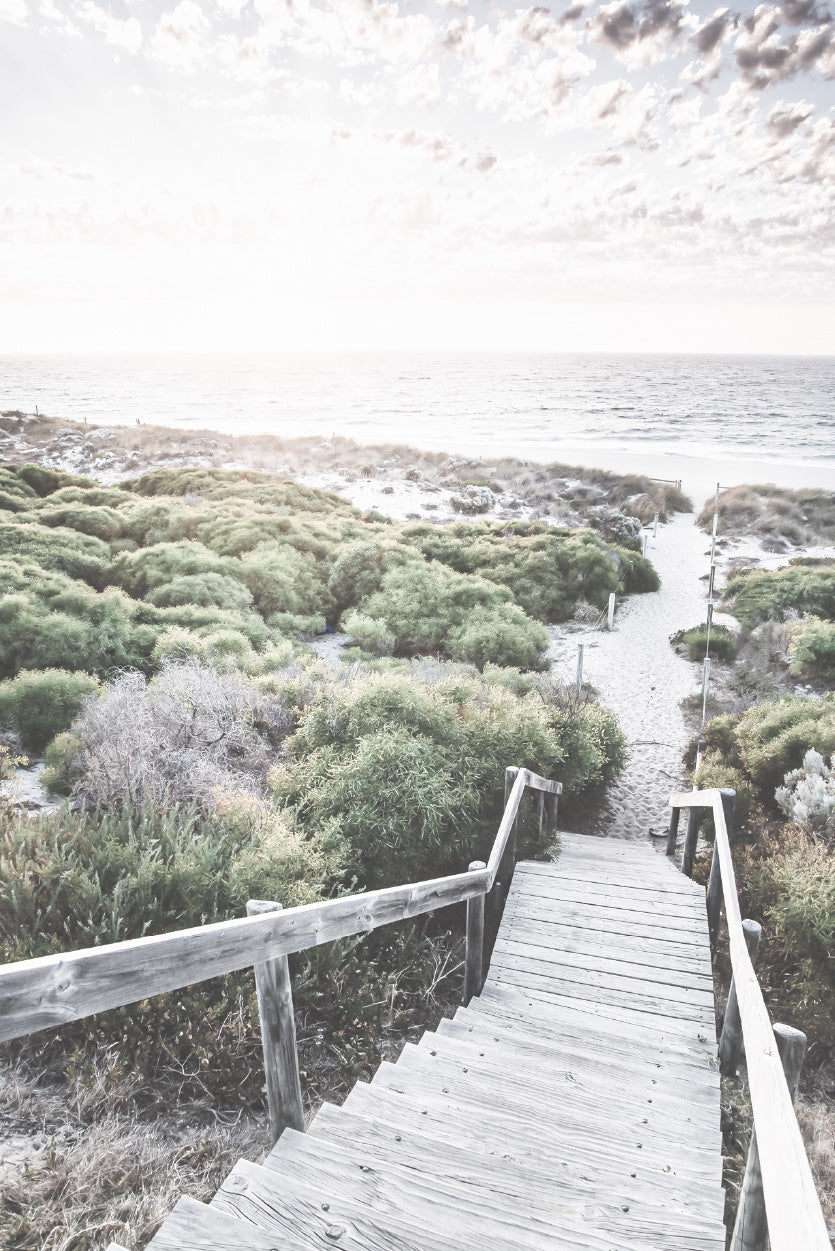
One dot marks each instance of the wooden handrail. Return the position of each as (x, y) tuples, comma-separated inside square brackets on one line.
[(792, 1205), (54, 990)]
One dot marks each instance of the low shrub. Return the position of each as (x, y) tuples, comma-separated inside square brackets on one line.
[(190, 735), (812, 647), (715, 772), (774, 514), (773, 737), (409, 772), (431, 608), (807, 797), (792, 886), (723, 643), (759, 594), (42, 703)]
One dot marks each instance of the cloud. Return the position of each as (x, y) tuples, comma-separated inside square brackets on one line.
[(421, 85), (713, 32), (784, 119), (764, 57), (639, 32), (14, 11), (125, 34), (35, 167), (179, 38)]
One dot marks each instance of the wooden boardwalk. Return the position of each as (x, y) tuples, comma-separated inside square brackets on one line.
[(574, 1104)]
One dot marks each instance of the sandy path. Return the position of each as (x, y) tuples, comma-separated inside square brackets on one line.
[(639, 676)]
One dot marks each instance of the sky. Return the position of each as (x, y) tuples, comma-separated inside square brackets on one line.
[(306, 174)]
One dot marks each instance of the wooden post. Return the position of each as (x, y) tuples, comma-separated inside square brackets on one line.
[(711, 581), (730, 1044), (508, 863), (705, 685), (672, 834), (579, 669), (541, 827), (644, 538), (278, 1036), (611, 617), (655, 527), (751, 1225), (714, 885), (474, 957), (552, 810), (690, 840)]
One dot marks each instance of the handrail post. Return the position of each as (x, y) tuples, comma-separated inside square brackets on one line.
[(508, 860), (751, 1225), (474, 954), (730, 1043), (672, 833), (714, 885), (278, 1036), (691, 838)]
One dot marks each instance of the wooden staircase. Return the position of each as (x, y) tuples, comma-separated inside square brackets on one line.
[(573, 1105)]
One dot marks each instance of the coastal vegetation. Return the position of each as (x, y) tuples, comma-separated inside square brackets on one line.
[(777, 756), (780, 518), (154, 641)]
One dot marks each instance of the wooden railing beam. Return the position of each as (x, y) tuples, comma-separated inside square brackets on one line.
[(714, 885), (751, 1224), (792, 1206)]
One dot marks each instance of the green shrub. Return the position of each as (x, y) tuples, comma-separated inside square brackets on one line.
[(409, 773), (207, 590), (773, 737), (723, 643), (372, 634), (56, 549), (45, 481), (812, 647), (715, 772), (501, 635), (430, 608), (41, 704), (794, 890), (151, 567), (284, 580), (103, 523), (759, 594)]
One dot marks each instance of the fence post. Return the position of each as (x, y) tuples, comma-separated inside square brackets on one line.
[(474, 956), (278, 1036), (690, 840), (714, 885), (672, 833), (730, 1043), (508, 861), (541, 827), (580, 647), (655, 527), (611, 617), (751, 1225)]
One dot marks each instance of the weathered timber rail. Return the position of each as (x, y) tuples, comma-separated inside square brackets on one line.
[(55, 990), (779, 1203)]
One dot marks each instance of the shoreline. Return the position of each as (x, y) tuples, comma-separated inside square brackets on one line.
[(110, 453)]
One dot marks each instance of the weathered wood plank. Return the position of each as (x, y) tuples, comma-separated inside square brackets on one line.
[(562, 1155), (424, 1145), (700, 1106), (194, 1226), (616, 960), (510, 1216)]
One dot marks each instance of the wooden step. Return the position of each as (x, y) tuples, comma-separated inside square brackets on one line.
[(469, 1204)]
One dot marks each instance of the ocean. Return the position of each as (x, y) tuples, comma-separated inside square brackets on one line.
[(777, 411)]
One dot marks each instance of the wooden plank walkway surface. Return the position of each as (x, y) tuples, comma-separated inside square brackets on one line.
[(573, 1105)]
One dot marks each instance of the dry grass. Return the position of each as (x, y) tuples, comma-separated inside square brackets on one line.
[(778, 517), (816, 1115), (81, 1166)]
